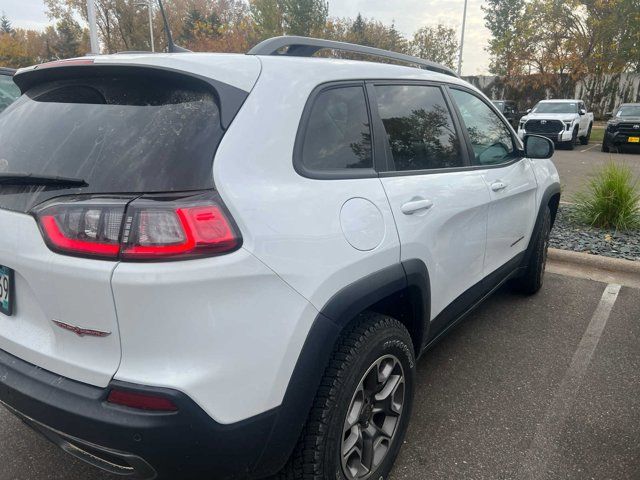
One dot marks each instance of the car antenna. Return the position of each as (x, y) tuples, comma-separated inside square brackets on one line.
[(171, 47)]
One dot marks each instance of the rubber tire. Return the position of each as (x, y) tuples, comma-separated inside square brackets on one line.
[(533, 278), (316, 456), (585, 140), (605, 146), (574, 140)]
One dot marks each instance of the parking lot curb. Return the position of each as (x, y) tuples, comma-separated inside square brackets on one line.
[(594, 267)]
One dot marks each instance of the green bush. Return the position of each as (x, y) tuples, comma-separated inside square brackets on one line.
[(610, 200)]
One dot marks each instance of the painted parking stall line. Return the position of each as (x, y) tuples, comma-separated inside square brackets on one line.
[(589, 148), (544, 442)]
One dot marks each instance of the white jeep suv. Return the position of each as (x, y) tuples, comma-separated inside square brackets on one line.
[(227, 265)]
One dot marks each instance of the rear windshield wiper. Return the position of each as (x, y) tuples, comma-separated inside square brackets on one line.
[(33, 179)]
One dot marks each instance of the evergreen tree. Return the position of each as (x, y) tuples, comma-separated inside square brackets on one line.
[(5, 24)]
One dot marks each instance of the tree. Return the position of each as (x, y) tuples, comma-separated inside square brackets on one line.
[(504, 19), (439, 44), (358, 29), (268, 17), (68, 41), (5, 24), (395, 41), (304, 17)]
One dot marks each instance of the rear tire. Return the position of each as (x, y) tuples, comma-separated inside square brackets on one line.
[(533, 278), (585, 140), (356, 389)]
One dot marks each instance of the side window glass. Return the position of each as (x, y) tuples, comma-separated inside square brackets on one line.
[(490, 138), (338, 134), (419, 127)]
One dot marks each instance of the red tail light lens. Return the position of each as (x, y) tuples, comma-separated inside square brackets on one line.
[(145, 229), (141, 401), (88, 228), (158, 232)]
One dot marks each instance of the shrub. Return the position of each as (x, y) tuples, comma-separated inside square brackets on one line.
[(610, 200)]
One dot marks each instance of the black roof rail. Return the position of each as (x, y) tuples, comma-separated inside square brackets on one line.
[(306, 47)]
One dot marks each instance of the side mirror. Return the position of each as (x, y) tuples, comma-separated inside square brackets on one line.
[(582, 111), (528, 110), (536, 146), (608, 114)]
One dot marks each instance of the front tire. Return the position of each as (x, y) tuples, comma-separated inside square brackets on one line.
[(533, 278), (605, 145), (585, 140), (574, 140), (361, 412)]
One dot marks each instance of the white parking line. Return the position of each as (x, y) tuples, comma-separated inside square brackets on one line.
[(589, 148), (544, 443)]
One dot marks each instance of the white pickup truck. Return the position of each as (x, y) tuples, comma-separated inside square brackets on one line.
[(563, 121)]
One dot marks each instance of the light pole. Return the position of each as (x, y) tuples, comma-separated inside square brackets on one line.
[(93, 30), (149, 5), (464, 22)]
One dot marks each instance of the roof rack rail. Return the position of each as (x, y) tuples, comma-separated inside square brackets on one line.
[(306, 47)]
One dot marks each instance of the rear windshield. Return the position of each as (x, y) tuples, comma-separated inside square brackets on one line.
[(125, 133)]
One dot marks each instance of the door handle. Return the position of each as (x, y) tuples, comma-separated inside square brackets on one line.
[(497, 186), (415, 206)]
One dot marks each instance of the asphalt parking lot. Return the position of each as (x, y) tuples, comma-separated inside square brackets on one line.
[(577, 166), (542, 387)]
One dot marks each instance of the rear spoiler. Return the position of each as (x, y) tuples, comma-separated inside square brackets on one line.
[(229, 98)]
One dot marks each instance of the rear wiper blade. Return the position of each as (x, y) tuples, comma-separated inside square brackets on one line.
[(33, 179)]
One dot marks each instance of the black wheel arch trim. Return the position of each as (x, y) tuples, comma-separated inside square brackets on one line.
[(344, 306), (550, 191)]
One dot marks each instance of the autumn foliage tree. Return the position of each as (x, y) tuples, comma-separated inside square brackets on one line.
[(211, 25), (20, 47)]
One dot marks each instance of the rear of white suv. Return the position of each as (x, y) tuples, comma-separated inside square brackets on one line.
[(217, 260), (123, 273)]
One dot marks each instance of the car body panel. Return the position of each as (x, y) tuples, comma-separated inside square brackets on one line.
[(200, 326), (511, 213), (52, 288), (450, 237)]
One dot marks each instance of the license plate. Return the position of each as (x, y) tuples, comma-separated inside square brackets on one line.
[(633, 139), (6, 290)]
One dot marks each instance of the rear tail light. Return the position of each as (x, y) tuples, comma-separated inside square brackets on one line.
[(150, 228), (141, 401)]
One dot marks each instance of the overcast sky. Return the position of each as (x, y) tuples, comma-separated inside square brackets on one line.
[(409, 15)]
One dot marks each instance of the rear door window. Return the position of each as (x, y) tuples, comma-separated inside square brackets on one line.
[(419, 127), (120, 133), (338, 132)]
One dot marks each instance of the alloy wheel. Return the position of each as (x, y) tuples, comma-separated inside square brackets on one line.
[(372, 418)]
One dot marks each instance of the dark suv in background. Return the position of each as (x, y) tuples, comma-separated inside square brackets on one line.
[(509, 109), (9, 91), (623, 128)]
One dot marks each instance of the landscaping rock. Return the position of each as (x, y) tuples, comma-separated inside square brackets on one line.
[(567, 234)]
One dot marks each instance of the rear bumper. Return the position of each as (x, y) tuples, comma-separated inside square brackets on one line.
[(183, 444)]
